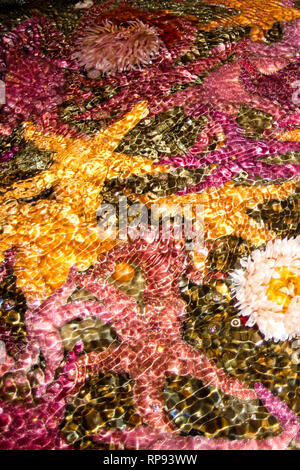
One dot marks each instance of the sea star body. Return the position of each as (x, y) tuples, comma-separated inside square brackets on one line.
[(237, 154), (53, 234), (224, 209), (252, 14), (276, 86)]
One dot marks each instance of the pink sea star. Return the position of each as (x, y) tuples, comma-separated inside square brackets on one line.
[(151, 347), (151, 338), (158, 332), (223, 87), (32, 426), (144, 437), (276, 86), (154, 87), (153, 84)]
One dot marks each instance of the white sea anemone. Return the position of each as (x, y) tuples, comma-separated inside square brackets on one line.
[(267, 289)]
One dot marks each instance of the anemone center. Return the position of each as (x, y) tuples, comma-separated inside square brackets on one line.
[(284, 285)]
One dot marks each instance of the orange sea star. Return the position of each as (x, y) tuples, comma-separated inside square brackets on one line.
[(53, 234), (258, 15), (293, 135), (223, 210)]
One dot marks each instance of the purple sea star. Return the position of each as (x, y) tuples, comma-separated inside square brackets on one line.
[(34, 81), (236, 155)]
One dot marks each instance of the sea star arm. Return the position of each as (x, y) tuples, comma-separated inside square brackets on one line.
[(291, 135), (44, 326), (153, 85), (253, 14), (37, 324), (103, 110), (60, 297), (84, 309), (107, 139), (271, 172), (229, 202), (124, 310), (133, 165), (189, 361), (227, 22), (6, 243), (111, 136), (237, 221), (290, 121), (26, 358), (9, 259), (55, 143), (147, 392), (113, 359), (192, 157), (147, 438), (29, 188), (249, 229)]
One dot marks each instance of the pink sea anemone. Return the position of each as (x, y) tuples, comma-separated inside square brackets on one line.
[(124, 39), (267, 289), (111, 48)]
